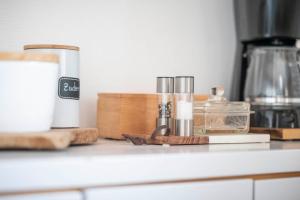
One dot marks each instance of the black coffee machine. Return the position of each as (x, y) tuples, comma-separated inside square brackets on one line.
[(267, 72)]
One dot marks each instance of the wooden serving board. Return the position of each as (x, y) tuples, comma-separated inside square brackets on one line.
[(279, 133), (203, 139), (50, 140)]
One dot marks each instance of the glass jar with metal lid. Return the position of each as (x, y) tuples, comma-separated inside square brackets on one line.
[(217, 115)]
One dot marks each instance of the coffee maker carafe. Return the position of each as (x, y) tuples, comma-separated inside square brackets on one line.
[(267, 72), (273, 86)]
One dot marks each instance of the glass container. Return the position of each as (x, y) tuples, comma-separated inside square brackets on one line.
[(217, 115), (273, 87)]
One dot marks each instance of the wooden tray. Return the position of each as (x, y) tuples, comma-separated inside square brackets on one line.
[(50, 140), (154, 138), (203, 139), (279, 133)]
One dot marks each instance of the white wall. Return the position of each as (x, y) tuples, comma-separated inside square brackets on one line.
[(125, 44)]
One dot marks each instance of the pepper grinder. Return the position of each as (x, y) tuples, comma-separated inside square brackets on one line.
[(184, 89), (165, 90)]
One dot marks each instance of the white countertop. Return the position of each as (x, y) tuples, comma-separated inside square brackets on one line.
[(109, 163)]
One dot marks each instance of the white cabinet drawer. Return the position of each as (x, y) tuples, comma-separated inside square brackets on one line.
[(277, 189), (74, 195), (210, 190)]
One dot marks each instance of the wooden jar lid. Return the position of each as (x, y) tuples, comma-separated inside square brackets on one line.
[(10, 56), (50, 46)]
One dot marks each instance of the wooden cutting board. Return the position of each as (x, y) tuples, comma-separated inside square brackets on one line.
[(50, 140), (201, 139), (279, 133)]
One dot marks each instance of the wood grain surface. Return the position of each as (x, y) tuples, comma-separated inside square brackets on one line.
[(279, 133), (29, 57), (46, 140), (50, 140), (172, 140), (84, 136), (199, 139), (50, 46), (126, 113)]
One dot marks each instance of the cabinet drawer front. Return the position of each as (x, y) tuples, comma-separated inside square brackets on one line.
[(46, 196), (211, 190), (277, 189)]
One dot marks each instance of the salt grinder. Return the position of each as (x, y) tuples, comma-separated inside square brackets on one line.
[(184, 89), (165, 90)]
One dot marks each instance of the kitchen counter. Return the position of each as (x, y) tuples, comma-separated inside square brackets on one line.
[(116, 163)]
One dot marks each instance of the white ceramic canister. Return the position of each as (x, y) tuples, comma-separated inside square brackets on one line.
[(27, 91), (66, 113)]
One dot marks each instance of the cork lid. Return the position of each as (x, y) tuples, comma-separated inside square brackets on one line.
[(50, 46), (12, 56)]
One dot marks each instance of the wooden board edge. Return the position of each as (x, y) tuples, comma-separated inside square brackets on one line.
[(171, 140), (279, 133), (35, 141)]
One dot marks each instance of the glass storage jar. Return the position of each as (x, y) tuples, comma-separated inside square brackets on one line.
[(217, 115)]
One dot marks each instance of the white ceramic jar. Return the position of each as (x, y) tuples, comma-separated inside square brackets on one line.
[(66, 113), (27, 91)]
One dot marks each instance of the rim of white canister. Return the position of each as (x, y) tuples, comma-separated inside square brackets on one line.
[(16, 56), (50, 46)]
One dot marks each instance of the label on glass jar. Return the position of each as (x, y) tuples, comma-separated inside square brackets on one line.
[(68, 88)]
